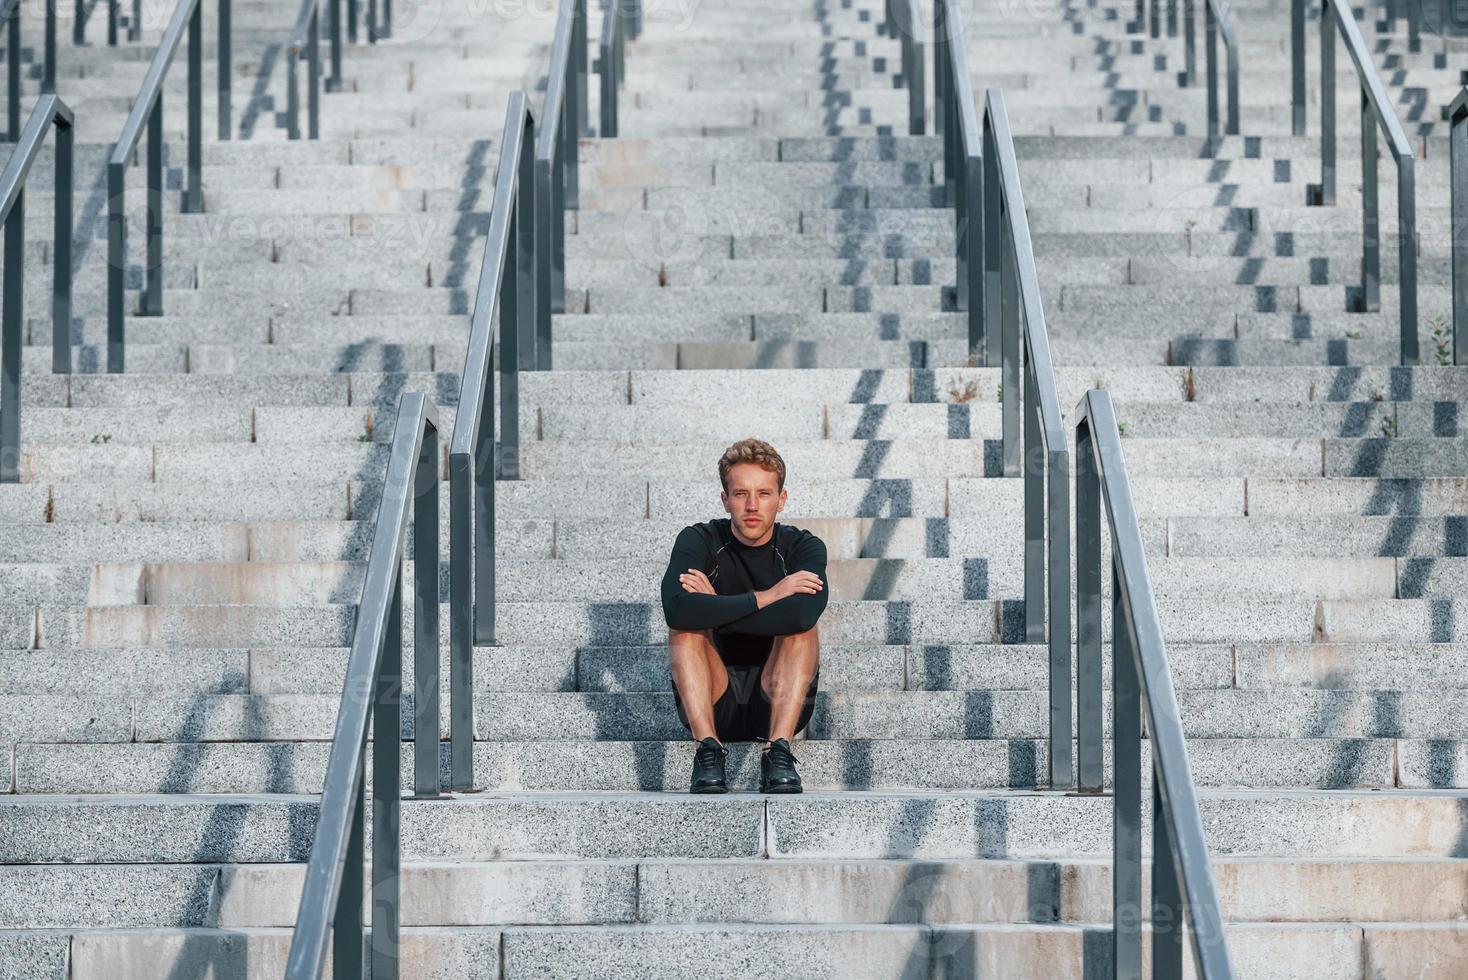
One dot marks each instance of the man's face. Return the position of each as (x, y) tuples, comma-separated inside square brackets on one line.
[(752, 501)]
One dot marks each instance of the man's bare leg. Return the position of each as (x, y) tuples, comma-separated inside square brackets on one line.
[(700, 676), (786, 679)]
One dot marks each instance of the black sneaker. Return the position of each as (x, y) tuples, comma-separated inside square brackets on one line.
[(708, 768), (777, 769)]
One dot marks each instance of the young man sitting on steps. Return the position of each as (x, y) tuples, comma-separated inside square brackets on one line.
[(741, 597)]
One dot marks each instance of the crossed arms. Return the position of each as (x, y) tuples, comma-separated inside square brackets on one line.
[(786, 607)]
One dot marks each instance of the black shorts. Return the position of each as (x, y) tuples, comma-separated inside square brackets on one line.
[(742, 712)]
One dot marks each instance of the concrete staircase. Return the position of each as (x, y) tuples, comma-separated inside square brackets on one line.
[(757, 254)]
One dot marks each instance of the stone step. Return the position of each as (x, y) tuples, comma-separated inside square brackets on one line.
[(89, 829), (833, 765)]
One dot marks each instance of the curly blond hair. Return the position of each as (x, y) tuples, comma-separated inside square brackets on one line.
[(755, 451)]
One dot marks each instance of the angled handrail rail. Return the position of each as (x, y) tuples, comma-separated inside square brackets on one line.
[(620, 18), (10, 22), (331, 900), (48, 112), (147, 111), (1377, 113), (1012, 303), (556, 169), (904, 23), (1457, 113), (506, 287), (1182, 880)]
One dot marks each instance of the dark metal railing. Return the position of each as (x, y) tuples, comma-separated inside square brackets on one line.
[(1182, 880), (147, 110), (134, 23), (956, 120), (1457, 114), (621, 19), (507, 287), (1012, 304), (904, 23), (331, 900), (306, 37), (48, 112), (10, 22), (556, 169), (1376, 113), (1216, 22)]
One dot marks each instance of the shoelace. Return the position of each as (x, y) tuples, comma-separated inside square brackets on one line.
[(707, 754), (783, 749)]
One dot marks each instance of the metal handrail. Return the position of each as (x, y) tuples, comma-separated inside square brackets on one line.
[(1216, 22), (10, 22), (48, 112), (1182, 880), (507, 287), (331, 900), (306, 35), (619, 18), (556, 166), (1457, 113), (147, 110), (956, 120), (1012, 300), (1376, 112), (904, 23)]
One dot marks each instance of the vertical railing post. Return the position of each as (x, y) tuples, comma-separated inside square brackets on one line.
[(12, 74), (511, 303), (193, 201), (79, 24), (1458, 164), (1190, 41), (12, 324), (116, 264), (1010, 327), (1326, 195), (992, 223), (1210, 49), (61, 252), (112, 14), (292, 93), (1126, 740), (387, 740), (1058, 542), (1088, 613), (226, 70), (48, 70), (526, 268), (1297, 65), (1231, 126), (1034, 494), (426, 686), (135, 24), (1407, 252), (334, 80), (581, 52), (1167, 899), (940, 76), (347, 923), (1370, 298), (313, 93), (153, 274), (971, 269)]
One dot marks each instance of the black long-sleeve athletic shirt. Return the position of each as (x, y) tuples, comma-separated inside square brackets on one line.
[(743, 632)]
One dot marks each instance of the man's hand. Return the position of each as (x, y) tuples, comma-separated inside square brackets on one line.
[(694, 580), (796, 583)]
